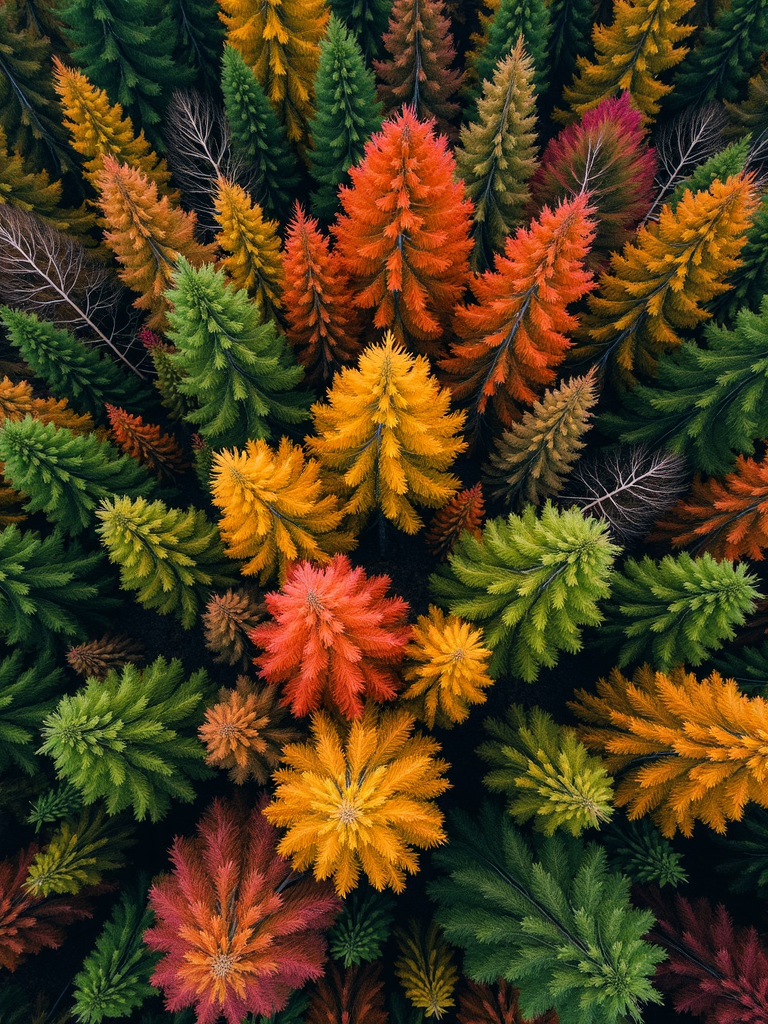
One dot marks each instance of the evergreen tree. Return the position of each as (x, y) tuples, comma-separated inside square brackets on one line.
[(532, 582), (18, 401), (749, 282), (54, 805), (751, 114), (532, 915), (200, 36), (368, 20), (495, 1004), (26, 695), (497, 154), (171, 557), (257, 135), (65, 475), (355, 995), (512, 19), (130, 738), (639, 850), (426, 969), (236, 366), (571, 24), (362, 928), (348, 113), (227, 621)]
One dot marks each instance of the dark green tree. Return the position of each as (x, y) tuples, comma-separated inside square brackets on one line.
[(639, 850), (55, 804), (348, 113), (368, 19), (200, 40), (26, 695), (746, 853), (747, 665), (513, 17), (571, 25), (363, 927)]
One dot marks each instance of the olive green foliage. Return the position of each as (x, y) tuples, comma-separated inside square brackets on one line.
[(26, 696)]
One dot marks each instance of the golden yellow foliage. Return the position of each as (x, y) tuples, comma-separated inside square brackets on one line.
[(425, 969), (18, 401)]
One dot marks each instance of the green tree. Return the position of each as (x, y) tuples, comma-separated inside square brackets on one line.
[(200, 39), (532, 582), (131, 738), (368, 19), (513, 18), (551, 918), (546, 772), (240, 370), (258, 135), (55, 804), (348, 113), (571, 22), (171, 557), (676, 610), (639, 850), (362, 928), (749, 282), (26, 695), (65, 475)]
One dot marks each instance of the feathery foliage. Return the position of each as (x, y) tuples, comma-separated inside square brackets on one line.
[(96, 658), (639, 850), (425, 969), (465, 511), (26, 695), (512, 19), (362, 928), (227, 620)]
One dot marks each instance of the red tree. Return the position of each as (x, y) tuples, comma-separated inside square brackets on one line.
[(238, 929), (465, 511), (351, 996), (334, 638), (146, 442), (486, 1004)]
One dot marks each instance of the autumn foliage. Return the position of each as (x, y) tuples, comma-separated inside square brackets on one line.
[(146, 442), (495, 1004), (354, 995), (465, 511)]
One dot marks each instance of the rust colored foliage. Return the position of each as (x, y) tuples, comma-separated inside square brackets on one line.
[(351, 996), (334, 638), (497, 1004), (517, 334), (147, 443), (237, 931), (465, 511), (404, 235), (94, 659), (227, 620)]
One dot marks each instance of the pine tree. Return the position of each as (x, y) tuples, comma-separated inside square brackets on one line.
[(236, 366), (682, 749), (237, 930), (227, 620), (257, 135), (570, 33), (146, 443), (531, 582), (512, 19), (531, 460), (333, 638), (200, 36), (403, 235), (483, 1004), (275, 509), (465, 511), (497, 154), (546, 772), (171, 557), (425, 969), (26, 695), (511, 341), (323, 325), (130, 738), (751, 114), (531, 915), (169, 376), (677, 609), (280, 41), (368, 20), (386, 436), (747, 665), (660, 283), (348, 113), (355, 996), (631, 53), (363, 927), (746, 853), (96, 658), (360, 797), (418, 73), (65, 475), (639, 850), (54, 805)]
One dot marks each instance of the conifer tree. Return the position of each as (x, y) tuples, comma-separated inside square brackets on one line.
[(404, 237), (254, 260), (531, 914), (348, 113), (570, 34), (512, 339), (55, 805), (171, 557), (418, 73), (386, 436), (169, 376), (546, 772), (130, 738), (323, 325), (355, 996), (531, 582), (368, 20), (531, 460), (235, 365), (97, 657), (642, 852), (227, 620), (749, 282), (512, 19), (660, 283), (426, 969), (200, 38), (26, 695), (363, 927), (258, 135), (497, 154), (676, 610), (147, 443), (465, 511), (631, 53), (280, 41), (751, 114), (65, 475)]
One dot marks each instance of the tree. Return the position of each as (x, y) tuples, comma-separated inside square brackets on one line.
[(236, 930), (446, 669), (355, 995), (569, 38), (54, 805), (465, 511), (531, 460), (171, 557), (530, 914), (333, 639), (606, 154), (631, 53), (147, 235), (547, 774), (362, 928), (368, 19), (481, 1004), (682, 749), (749, 115), (359, 797), (386, 436), (17, 401), (26, 695), (227, 620), (257, 134), (323, 326), (96, 658), (169, 376), (660, 283), (65, 475), (403, 235), (639, 850), (200, 36), (348, 113), (245, 732), (280, 41), (235, 365), (749, 282), (515, 335), (510, 20), (532, 582), (723, 164), (146, 443), (130, 738), (677, 609), (425, 969), (418, 73), (497, 154)]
